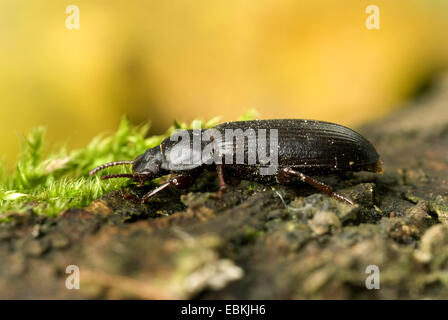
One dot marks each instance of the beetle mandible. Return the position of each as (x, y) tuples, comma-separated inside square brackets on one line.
[(304, 148)]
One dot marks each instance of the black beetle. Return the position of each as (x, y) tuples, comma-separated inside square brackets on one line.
[(303, 147)]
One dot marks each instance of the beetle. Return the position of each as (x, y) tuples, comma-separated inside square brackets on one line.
[(303, 148)]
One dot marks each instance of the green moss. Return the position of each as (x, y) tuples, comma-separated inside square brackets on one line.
[(249, 115), (50, 184), (439, 206), (253, 234)]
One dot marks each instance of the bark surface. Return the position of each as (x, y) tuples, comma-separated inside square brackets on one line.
[(257, 241)]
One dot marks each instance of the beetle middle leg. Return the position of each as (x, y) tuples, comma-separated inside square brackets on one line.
[(222, 182), (181, 181), (288, 172)]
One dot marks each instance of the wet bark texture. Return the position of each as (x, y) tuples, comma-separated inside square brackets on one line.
[(256, 242)]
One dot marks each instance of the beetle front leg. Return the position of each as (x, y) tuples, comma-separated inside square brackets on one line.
[(288, 172), (178, 181)]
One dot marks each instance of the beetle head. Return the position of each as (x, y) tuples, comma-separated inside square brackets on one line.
[(145, 167)]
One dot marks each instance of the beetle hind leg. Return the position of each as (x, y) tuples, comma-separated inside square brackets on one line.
[(288, 172)]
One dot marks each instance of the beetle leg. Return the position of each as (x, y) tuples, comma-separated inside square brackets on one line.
[(179, 182), (132, 197), (222, 182), (169, 177), (315, 183)]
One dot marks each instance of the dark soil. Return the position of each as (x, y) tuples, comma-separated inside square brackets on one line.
[(256, 242)]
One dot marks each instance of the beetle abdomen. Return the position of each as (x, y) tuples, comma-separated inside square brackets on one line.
[(318, 146)]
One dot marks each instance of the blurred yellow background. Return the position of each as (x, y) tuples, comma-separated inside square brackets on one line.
[(163, 60)]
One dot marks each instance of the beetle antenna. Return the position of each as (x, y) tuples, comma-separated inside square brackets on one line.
[(110, 164), (118, 175)]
